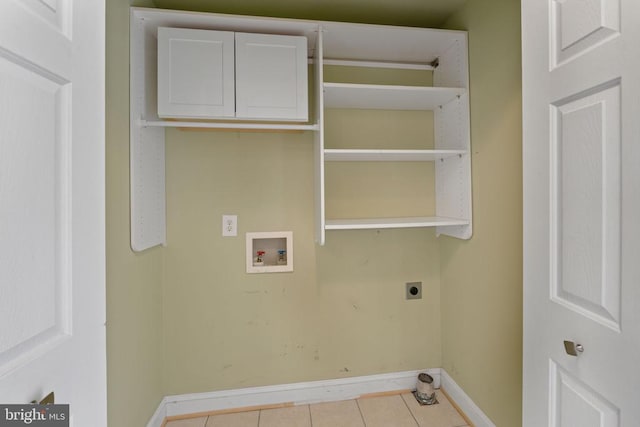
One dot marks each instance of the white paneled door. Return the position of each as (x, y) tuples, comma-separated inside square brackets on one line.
[(52, 249), (581, 157)]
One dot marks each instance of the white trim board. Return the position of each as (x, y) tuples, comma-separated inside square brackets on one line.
[(314, 392), (464, 402), (296, 394)]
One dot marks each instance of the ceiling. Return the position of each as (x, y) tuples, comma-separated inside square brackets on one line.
[(413, 13)]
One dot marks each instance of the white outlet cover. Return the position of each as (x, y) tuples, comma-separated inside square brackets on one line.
[(229, 225)]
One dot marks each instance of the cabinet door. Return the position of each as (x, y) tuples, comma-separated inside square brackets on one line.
[(195, 73), (271, 77)]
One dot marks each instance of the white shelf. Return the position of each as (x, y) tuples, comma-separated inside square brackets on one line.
[(226, 125), (380, 223), (355, 155), (387, 97)]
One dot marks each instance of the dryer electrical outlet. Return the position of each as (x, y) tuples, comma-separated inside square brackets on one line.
[(413, 290)]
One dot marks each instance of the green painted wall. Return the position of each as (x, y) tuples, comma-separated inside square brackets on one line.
[(342, 312), (482, 278), (187, 318), (134, 309)]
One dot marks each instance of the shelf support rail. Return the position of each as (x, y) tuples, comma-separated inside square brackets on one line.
[(379, 64)]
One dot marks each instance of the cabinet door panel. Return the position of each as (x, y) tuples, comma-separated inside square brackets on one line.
[(195, 73), (271, 77)]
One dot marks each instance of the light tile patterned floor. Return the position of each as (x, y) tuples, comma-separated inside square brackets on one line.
[(396, 410)]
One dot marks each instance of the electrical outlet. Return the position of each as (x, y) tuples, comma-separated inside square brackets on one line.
[(229, 225), (414, 290)]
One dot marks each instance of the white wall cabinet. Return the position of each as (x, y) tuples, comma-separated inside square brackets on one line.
[(195, 73), (271, 77), (208, 74), (269, 83)]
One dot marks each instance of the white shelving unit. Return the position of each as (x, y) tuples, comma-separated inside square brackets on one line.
[(444, 52), (360, 45)]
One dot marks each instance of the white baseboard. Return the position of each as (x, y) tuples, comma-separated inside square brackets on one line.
[(296, 394), (464, 402), (314, 392)]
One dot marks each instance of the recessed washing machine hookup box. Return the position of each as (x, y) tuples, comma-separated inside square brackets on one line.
[(270, 252)]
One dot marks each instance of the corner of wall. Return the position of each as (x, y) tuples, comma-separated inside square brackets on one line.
[(134, 298), (482, 278)]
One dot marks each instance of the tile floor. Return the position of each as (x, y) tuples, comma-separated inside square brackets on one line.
[(387, 411)]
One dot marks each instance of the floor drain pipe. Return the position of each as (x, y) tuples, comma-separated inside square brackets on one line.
[(425, 393)]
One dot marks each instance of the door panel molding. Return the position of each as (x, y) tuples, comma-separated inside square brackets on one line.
[(577, 26), (36, 223), (585, 147), (574, 403)]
